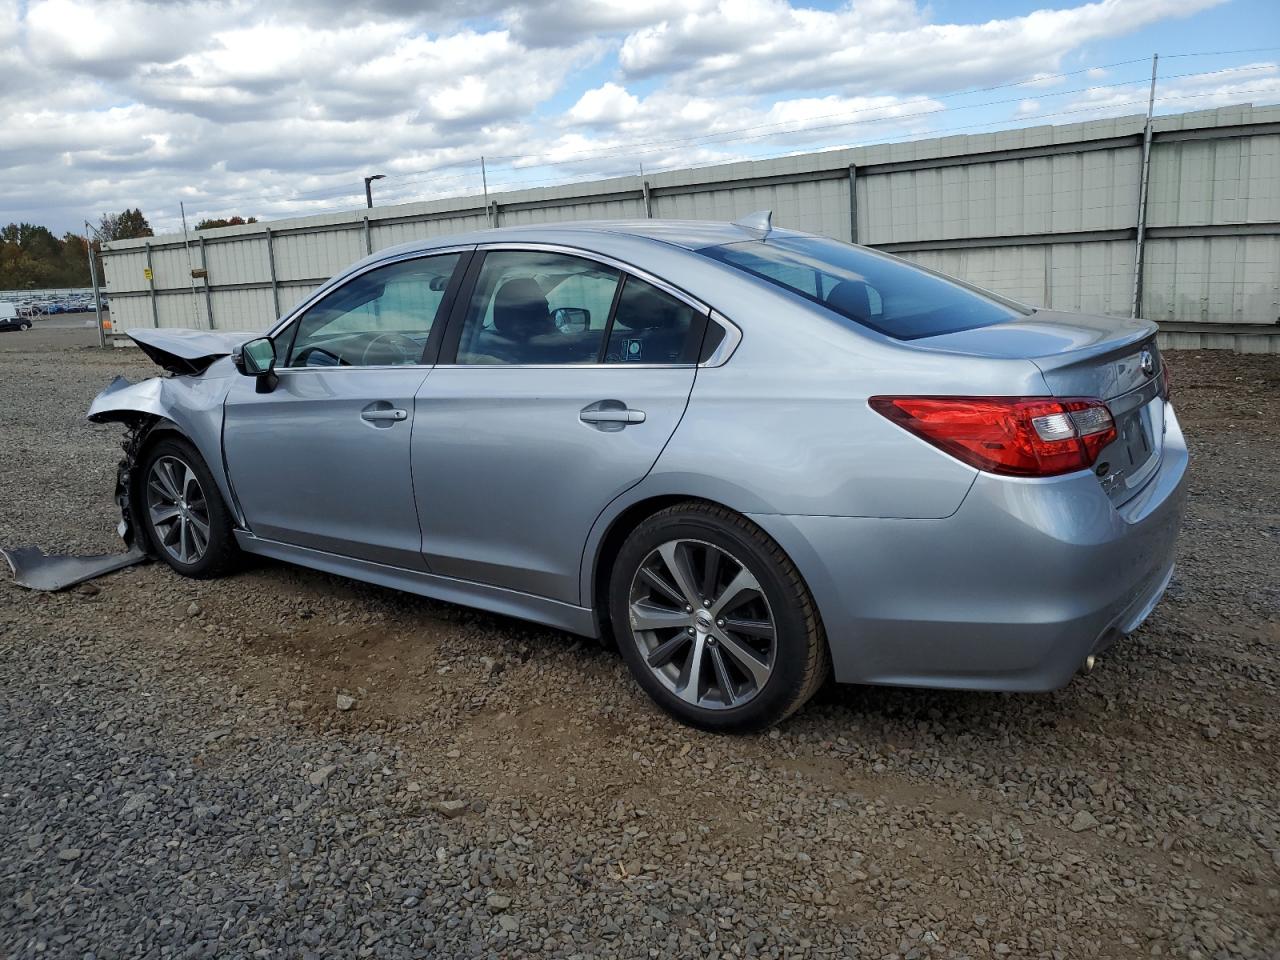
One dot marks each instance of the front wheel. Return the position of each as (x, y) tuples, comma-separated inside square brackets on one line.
[(189, 525), (715, 621), (24, 327)]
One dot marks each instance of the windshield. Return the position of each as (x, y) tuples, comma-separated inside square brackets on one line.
[(885, 294)]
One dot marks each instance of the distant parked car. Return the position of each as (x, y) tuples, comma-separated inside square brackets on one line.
[(10, 319), (750, 456)]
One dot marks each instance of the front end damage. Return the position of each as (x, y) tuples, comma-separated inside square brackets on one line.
[(188, 402), (138, 412)]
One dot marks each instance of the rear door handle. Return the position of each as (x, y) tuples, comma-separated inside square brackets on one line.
[(610, 415), (379, 416)]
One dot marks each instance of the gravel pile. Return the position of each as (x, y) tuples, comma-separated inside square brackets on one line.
[(284, 763)]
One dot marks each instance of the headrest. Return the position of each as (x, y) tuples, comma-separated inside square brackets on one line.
[(643, 308), (850, 297), (520, 309)]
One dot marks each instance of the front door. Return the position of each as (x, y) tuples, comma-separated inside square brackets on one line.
[(323, 461), (569, 379)]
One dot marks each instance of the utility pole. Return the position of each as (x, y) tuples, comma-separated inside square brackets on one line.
[(1141, 233), (191, 267), (93, 278), (484, 183), (368, 190)]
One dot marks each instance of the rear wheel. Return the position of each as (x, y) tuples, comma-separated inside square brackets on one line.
[(189, 525), (24, 326), (714, 620)]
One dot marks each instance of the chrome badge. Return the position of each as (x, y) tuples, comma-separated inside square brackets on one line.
[(1147, 362)]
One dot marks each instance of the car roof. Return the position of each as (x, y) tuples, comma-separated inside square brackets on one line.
[(686, 234)]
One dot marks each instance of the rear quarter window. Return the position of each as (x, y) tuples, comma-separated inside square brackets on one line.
[(885, 294)]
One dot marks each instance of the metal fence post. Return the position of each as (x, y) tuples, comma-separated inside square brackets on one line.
[(97, 292), (151, 287), (853, 203), (271, 266), (208, 297), (368, 239), (648, 200), (1139, 251)]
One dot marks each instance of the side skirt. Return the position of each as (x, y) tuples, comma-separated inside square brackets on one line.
[(511, 603)]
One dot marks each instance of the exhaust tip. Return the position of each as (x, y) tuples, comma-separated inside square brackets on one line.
[(1090, 661)]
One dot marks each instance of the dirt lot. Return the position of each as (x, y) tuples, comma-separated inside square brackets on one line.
[(175, 778)]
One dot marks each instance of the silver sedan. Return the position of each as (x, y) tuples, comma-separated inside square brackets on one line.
[(749, 457)]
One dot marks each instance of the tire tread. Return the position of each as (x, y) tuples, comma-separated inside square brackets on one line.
[(817, 667)]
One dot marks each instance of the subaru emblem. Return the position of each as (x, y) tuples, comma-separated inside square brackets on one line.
[(1147, 362)]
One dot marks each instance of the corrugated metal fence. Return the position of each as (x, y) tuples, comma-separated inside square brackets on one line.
[(1047, 215)]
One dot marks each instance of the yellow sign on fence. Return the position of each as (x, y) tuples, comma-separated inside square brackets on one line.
[(146, 272)]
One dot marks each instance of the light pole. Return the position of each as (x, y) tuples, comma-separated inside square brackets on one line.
[(93, 277), (368, 190)]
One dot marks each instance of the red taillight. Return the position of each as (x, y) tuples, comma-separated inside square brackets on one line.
[(1017, 436)]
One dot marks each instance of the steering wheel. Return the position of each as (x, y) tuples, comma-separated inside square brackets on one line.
[(409, 349)]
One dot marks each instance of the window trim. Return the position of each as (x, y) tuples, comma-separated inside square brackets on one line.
[(430, 351), (448, 355)]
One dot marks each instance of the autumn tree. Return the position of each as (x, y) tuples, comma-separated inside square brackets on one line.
[(31, 257), (129, 225)]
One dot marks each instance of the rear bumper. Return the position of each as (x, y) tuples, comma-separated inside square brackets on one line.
[(1011, 592)]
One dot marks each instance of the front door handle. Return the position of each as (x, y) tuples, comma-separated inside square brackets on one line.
[(610, 415), (383, 415)]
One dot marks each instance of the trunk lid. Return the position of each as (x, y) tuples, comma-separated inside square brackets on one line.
[(1114, 359)]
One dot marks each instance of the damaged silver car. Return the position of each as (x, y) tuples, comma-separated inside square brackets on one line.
[(751, 457)]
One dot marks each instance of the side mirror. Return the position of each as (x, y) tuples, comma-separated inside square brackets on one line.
[(257, 358), (572, 319)]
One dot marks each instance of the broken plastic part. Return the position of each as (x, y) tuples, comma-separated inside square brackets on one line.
[(34, 568)]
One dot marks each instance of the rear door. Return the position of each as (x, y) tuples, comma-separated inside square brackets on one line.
[(323, 461), (565, 378)]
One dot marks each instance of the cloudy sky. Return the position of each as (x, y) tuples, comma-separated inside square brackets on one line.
[(278, 109)]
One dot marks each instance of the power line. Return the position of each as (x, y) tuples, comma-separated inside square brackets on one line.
[(1092, 108), (630, 150)]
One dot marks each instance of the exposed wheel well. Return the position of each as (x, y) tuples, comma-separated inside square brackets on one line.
[(143, 432), (611, 543)]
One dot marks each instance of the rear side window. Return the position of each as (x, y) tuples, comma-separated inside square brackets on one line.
[(649, 326), (887, 295)]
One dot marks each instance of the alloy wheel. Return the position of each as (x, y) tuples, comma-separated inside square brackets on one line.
[(703, 624), (178, 509)]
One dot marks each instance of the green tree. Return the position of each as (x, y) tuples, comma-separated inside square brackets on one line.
[(227, 222), (31, 257), (128, 225)]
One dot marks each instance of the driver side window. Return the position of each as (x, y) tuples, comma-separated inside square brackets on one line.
[(381, 318)]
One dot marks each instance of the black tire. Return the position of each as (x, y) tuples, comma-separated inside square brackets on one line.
[(800, 658), (221, 552), (24, 327)]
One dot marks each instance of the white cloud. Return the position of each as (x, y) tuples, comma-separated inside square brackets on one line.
[(240, 107), (768, 45), (1256, 82)]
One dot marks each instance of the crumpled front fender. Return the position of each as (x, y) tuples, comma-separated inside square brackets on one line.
[(191, 406), (122, 401)]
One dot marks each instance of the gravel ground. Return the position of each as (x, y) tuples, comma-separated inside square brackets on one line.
[(177, 779)]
